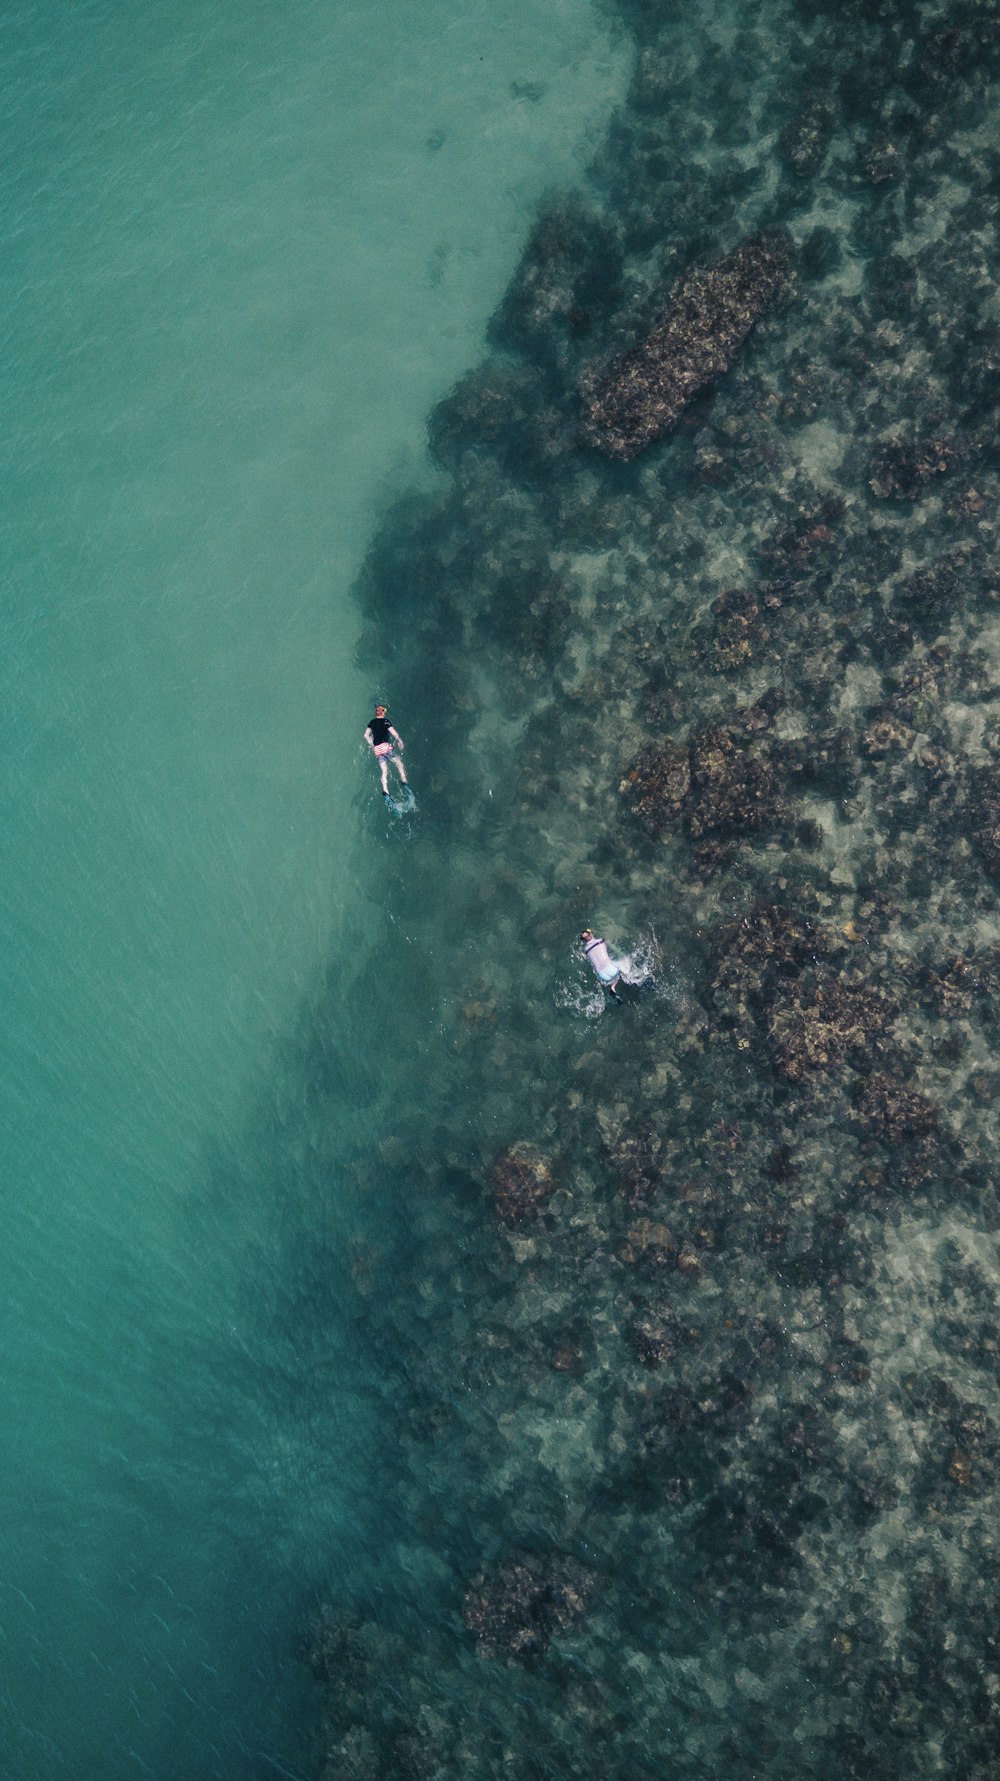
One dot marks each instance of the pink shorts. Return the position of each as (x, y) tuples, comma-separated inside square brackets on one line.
[(383, 751)]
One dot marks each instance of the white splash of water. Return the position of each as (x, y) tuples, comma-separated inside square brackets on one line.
[(584, 996)]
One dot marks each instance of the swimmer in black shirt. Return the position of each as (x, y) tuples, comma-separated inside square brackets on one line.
[(381, 738)]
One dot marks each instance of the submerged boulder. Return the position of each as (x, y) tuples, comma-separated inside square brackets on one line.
[(733, 791), (656, 785), (711, 311), (804, 141), (570, 268), (901, 470), (815, 1029), (889, 1109), (648, 1246), (722, 785), (522, 1182), (653, 1336), (515, 1609)]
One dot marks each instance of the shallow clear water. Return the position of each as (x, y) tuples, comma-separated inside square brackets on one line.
[(243, 252), (570, 1388)]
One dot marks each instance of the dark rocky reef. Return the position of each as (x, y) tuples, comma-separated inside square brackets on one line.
[(567, 281), (516, 1609), (804, 141), (709, 316), (747, 700), (815, 1026), (732, 783), (521, 1180), (903, 470), (812, 1007)]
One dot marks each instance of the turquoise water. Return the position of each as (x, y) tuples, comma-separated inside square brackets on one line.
[(419, 1366), (244, 251)]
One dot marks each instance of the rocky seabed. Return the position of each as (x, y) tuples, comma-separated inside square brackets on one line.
[(692, 1363)]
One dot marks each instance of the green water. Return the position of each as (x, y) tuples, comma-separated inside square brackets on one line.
[(244, 250)]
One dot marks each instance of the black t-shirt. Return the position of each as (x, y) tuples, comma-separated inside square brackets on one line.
[(380, 729)]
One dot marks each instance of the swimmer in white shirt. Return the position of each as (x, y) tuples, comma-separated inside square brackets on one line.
[(597, 954)]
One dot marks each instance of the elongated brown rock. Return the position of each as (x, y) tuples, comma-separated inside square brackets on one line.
[(711, 311)]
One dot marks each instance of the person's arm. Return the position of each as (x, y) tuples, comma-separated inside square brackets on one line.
[(368, 737), (397, 735)]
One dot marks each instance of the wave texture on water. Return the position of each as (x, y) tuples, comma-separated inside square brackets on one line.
[(244, 248)]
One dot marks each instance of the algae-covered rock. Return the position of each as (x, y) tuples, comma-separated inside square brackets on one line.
[(902, 471), (655, 786), (636, 1157), (737, 631), (816, 1028), (521, 1180), (709, 316), (733, 791), (517, 1608), (769, 944), (648, 1245), (889, 1109), (654, 1337), (570, 268), (886, 735), (804, 141)]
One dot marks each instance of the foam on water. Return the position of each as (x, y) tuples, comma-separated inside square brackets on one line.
[(639, 964)]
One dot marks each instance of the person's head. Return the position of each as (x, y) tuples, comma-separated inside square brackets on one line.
[(380, 711), (588, 934)]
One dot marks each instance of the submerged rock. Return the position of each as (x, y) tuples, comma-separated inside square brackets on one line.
[(886, 735), (952, 987), (888, 1109), (930, 596), (722, 786), (816, 1030), (901, 471), (655, 786), (772, 942), (570, 268), (880, 161), (521, 1180), (732, 790), (648, 1246), (635, 1156), (710, 314), (516, 1609), (738, 633), (803, 142), (654, 1336)]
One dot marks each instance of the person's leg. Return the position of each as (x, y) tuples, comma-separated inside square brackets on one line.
[(613, 987), (397, 763), (383, 768)]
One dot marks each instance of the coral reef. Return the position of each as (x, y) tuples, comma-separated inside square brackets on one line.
[(690, 1338), (520, 1606), (522, 1182), (707, 319)]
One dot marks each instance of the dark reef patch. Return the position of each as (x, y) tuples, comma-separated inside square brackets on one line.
[(707, 319), (518, 1608)]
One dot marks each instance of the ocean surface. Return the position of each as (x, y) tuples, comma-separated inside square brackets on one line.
[(244, 251), (418, 1365)]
